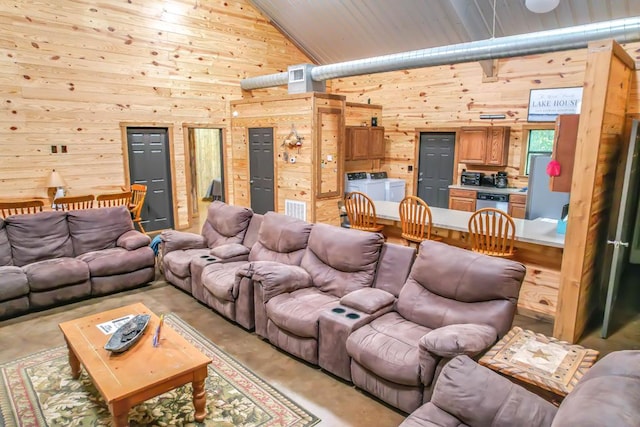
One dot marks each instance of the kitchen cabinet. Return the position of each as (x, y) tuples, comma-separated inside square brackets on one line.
[(364, 143), (564, 151), (517, 205), (487, 145), (462, 200)]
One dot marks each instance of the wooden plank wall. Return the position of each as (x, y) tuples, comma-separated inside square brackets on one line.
[(455, 95), (606, 90), (294, 181), (72, 70)]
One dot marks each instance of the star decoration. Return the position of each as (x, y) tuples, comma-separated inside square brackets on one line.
[(541, 354)]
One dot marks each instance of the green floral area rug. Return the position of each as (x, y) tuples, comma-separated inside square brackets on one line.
[(38, 390)]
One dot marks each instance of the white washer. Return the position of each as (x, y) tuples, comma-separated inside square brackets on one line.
[(394, 189), (374, 188)]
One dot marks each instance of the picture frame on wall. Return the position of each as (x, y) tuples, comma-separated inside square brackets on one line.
[(546, 104)]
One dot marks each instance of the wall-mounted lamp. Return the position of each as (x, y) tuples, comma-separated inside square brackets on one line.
[(492, 116), (56, 181)]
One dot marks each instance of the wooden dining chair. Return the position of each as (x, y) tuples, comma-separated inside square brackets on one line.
[(20, 208), (415, 220), (114, 199), (361, 212), (492, 232), (73, 203), (138, 194)]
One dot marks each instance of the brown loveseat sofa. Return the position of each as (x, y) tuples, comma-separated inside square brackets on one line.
[(467, 394), (228, 234), (53, 257), (454, 302), (281, 239)]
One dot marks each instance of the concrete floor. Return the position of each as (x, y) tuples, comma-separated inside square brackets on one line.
[(335, 402)]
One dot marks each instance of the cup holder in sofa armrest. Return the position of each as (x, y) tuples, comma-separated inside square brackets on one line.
[(353, 315), (211, 258), (205, 256), (338, 310)]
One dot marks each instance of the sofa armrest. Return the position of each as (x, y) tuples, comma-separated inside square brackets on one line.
[(275, 278), (478, 396), (450, 341), (173, 240), (132, 240), (231, 251), (368, 300)]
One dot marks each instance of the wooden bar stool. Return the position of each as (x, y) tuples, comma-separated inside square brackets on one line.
[(415, 220), (492, 232), (361, 212)]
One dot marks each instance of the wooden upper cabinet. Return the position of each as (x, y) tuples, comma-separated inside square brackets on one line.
[(564, 151), (484, 145), (473, 145), (364, 143), (376, 143), (498, 146)]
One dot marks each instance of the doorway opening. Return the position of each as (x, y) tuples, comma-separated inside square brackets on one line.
[(149, 163), (206, 165), (435, 167)]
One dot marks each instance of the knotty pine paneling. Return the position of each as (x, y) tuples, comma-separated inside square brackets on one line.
[(72, 71), (454, 95)]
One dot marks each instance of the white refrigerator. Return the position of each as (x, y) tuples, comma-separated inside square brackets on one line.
[(542, 202)]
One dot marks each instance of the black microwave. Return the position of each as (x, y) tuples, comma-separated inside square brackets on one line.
[(471, 178)]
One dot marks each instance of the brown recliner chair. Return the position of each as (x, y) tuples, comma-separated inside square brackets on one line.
[(454, 302), (281, 239), (228, 234), (467, 394), (289, 299)]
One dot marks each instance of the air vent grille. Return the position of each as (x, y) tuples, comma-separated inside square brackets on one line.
[(295, 209)]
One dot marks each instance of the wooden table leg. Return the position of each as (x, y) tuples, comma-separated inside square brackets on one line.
[(74, 363), (199, 395), (120, 414)]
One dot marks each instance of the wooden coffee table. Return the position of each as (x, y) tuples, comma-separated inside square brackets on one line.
[(140, 373), (544, 365)]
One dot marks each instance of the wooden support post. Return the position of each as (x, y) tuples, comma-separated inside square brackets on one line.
[(602, 117)]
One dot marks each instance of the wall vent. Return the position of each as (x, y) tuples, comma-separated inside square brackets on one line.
[(295, 209)]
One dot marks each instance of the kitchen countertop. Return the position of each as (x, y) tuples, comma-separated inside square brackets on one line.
[(539, 231), (494, 190)]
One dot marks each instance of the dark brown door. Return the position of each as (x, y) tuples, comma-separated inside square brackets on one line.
[(261, 169), (149, 165), (435, 170)]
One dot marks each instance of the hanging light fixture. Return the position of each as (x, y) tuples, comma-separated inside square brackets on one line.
[(541, 6)]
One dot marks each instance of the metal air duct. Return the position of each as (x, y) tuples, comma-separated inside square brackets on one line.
[(622, 30)]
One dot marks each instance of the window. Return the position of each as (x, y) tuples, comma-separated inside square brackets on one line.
[(539, 141)]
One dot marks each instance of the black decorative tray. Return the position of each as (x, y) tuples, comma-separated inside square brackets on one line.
[(127, 335)]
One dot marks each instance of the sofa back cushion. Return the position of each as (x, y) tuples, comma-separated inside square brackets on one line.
[(98, 229), (281, 239), (5, 247), (36, 237), (341, 260), (607, 395), (449, 285), (225, 224)]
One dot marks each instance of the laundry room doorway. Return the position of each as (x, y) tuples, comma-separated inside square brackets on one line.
[(205, 170)]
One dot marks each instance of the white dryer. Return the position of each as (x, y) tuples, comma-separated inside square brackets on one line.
[(358, 181), (394, 189)]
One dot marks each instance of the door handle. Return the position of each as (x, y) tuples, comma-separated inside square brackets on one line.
[(251, 181)]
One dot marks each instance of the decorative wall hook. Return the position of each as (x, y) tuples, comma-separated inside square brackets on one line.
[(293, 140)]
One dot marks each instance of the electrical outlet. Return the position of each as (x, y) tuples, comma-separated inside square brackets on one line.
[(410, 168)]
